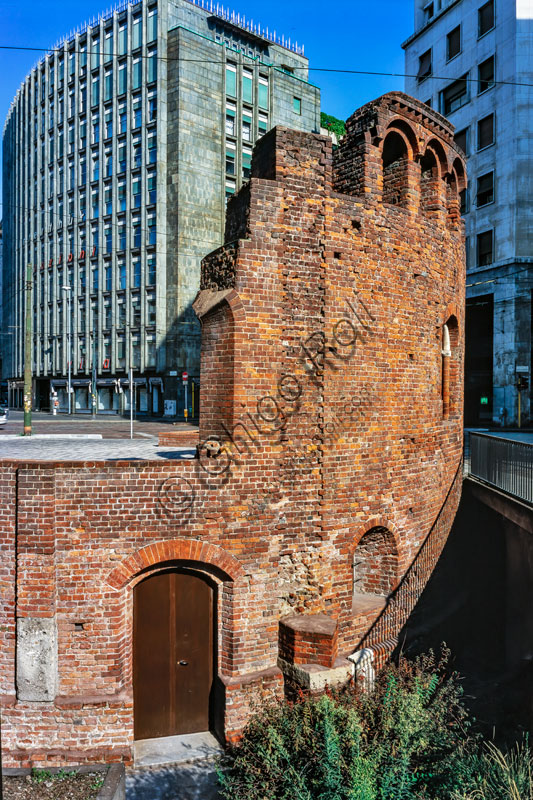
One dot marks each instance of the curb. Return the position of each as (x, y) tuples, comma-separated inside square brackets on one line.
[(114, 787)]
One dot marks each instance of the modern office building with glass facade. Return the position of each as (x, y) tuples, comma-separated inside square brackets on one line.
[(120, 149)]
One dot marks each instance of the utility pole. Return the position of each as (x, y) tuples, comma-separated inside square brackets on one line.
[(132, 393), (27, 351), (67, 290), (93, 387)]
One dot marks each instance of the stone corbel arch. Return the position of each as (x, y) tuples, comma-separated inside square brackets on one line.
[(160, 553), (440, 156), (460, 174), (401, 126)]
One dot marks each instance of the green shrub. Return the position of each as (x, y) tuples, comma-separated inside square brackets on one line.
[(409, 738), (503, 776)]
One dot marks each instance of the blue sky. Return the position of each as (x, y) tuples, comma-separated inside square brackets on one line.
[(359, 35)]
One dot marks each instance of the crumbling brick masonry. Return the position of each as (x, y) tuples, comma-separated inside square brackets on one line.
[(329, 464)]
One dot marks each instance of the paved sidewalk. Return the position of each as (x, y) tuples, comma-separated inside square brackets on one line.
[(29, 449), (175, 768), (193, 781)]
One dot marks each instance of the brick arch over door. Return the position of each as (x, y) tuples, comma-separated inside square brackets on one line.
[(201, 557), (159, 553)]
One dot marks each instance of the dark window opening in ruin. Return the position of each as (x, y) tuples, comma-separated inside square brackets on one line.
[(486, 18), (463, 202), (485, 132), (485, 248), (429, 181), (455, 96), (375, 567), (453, 43), (424, 66), (395, 162), (461, 140), (485, 75), (485, 189), (450, 368)]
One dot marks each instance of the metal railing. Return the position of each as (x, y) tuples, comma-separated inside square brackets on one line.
[(382, 636), (504, 463)]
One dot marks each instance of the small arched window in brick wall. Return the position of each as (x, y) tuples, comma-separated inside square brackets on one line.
[(453, 201), (455, 184), (450, 367), (429, 182), (395, 160), (375, 563)]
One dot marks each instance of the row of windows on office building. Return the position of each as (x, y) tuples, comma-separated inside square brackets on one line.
[(97, 130), (240, 127), (114, 354), (243, 100), (49, 285), (117, 312), (112, 197), (88, 51), (103, 88), (485, 19), (479, 136), (458, 93), (99, 163), (111, 317)]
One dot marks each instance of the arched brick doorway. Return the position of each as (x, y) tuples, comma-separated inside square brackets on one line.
[(173, 653)]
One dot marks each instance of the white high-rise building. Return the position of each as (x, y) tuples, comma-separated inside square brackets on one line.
[(473, 61)]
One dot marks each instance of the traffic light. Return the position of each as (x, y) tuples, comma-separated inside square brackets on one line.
[(523, 382)]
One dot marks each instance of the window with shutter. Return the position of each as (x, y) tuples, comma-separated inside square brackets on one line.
[(485, 132), (453, 43), (486, 18), (424, 66)]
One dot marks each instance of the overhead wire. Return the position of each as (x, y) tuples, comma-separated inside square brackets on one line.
[(337, 70)]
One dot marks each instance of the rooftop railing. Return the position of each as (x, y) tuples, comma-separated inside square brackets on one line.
[(239, 20), (247, 25)]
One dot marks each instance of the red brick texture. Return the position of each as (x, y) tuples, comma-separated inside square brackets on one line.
[(308, 639), (322, 372)]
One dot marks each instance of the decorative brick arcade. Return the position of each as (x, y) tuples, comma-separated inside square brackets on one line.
[(329, 468)]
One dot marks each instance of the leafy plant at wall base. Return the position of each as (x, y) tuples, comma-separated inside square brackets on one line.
[(409, 739)]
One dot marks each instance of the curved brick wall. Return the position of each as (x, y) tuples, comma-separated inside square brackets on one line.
[(335, 413)]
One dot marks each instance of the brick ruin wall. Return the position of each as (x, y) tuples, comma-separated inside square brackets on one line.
[(329, 417)]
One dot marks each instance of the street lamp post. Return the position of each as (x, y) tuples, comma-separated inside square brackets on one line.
[(27, 351), (93, 392), (68, 290)]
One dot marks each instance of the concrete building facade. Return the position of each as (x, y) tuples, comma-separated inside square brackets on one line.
[(327, 476), (120, 150), (473, 61)]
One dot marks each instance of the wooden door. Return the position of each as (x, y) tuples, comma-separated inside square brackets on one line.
[(172, 654)]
